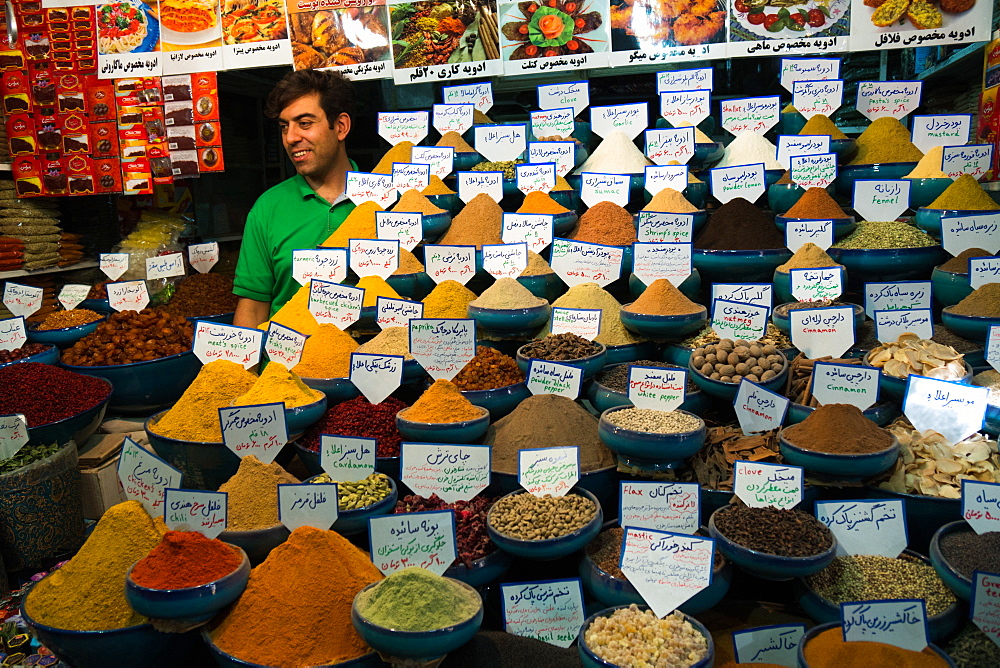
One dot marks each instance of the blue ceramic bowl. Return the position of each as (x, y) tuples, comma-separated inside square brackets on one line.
[(309, 459), (925, 191), (64, 337), (673, 327), (204, 464), (630, 352), (647, 450), (224, 318), (727, 391), (300, 418), (782, 282), (728, 266), (949, 287), (791, 122), (195, 604), (499, 401), (434, 225), (700, 217), (77, 428), (924, 514), (783, 321), (690, 286), (145, 387), (706, 154), (465, 431), (991, 424), (483, 571), (772, 176), (566, 198), (590, 364), (929, 220), (972, 327), (676, 354), (891, 387), (465, 161), (419, 645), (335, 389), (887, 264), (696, 193), (405, 285), (816, 630), (511, 320), (546, 286), (843, 147), (353, 522), (841, 226), (842, 467), (602, 398), (591, 660), (99, 305), (782, 196), (256, 543), (959, 585), (770, 566), (448, 201), (552, 548), (602, 483), (224, 660), (882, 413), (48, 356), (564, 222), (848, 174)]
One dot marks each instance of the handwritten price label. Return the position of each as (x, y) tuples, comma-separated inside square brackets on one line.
[(376, 376), (164, 266), (145, 477), (363, 187), (580, 321), (812, 70), (889, 325), (845, 384), (396, 312), (410, 176), (629, 119), (762, 485), (665, 146), (983, 270), (865, 527), (793, 146), (813, 171), (940, 130), (896, 99), (769, 644), (125, 296), (334, 303), (404, 228), (683, 108), (597, 188), (575, 94), (660, 506), (257, 430), (656, 388), (554, 378), (471, 184), (480, 95), (536, 177), (960, 233), (666, 569), (453, 117), (811, 285), (758, 408), (899, 622), (326, 264), (656, 227), (974, 160), (397, 126), (736, 320), (746, 181), (981, 505), (456, 263), (114, 264), (897, 296), (751, 114), (671, 261), (440, 158), (216, 341), (553, 122), (759, 294), (374, 257), (284, 344), (818, 97), (800, 232), (72, 294), (993, 347), (443, 346), (659, 177), (195, 510), (453, 472), (693, 79), (22, 300), (13, 435), (499, 143), (953, 409), (562, 153), (553, 471), (308, 505), (400, 541), (533, 229), (578, 262), (985, 604), (203, 256), (818, 332), (347, 458), (12, 334), (505, 260), (549, 610)]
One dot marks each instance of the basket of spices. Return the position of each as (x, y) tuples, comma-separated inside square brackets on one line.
[(566, 348), (509, 308), (492, 381), (609, 388), (739, 243), (950, 281), (252, 520), (359, 500), (443, 415), (651, 439), (718, 368), (823, 646), (964, 197), (883, 151), (887, 251), (838, 441), (772, 543), (544, 528), (628, 634), (910, 354), (43, 353), (64, 328), (663, 311), (869, 577), (803, 402), (972, 317), (808, 256), (957, 552)]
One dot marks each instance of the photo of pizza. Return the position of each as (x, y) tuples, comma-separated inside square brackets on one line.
[(124, 27), (253, 21)]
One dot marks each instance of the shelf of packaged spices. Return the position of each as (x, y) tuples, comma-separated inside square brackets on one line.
[(82, 264), (967, 55)]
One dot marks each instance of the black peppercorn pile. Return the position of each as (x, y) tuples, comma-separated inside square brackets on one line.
[(967, 552), (785, 533)]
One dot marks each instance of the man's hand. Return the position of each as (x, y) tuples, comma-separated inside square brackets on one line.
[(250, 312)]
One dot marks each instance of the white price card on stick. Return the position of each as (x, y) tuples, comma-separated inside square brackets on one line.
[(655, 226), (12, 334), (347, 458), (890, 325), (363, 187), (897, 296), (114, 264), (505, 260), (479, 95), (125, 296), (759, 294), (145, 477), (534, 229), (737, 320), (671, 261), (578, 262), (217, 341), (440, 158), (659, 177), (580, 321), (940, 130), (562, 153), (746, 181), (257, 430), (761, 485), (798, 233), (453, 117), (819, 332), (813, 70), (985, 604), (536, 177), (410, 176), (391, 312), (72, 294), (812, 285), (751, 114), (693, 79), (499, 143), (334, 303), (974, 160), (553, 471), (404, 227), (845, 384), (663, 506), (992, 347), (657, 388), (283, 344), (881, 200), (683, 108), (553, 122), (981, 505), (13, 434), (629, 119), (818, 97), (456, 263), (453, 472), (777, 644), (397, 126), (813, 171), (195, 510), (983, 270), (547, 610), (23, 300), (164, 266), (203, 256), (666, 146), (865, 526), (424, 539), (758, 408), (554, 378), (376, 376), (326, 264), (575, 94), (980, 230), (666, 569), (374, 257), (308, 505), (896, 99), (443, 346), (900, 622), (793, 146), (472, 184), (953, 409), (596, 188)]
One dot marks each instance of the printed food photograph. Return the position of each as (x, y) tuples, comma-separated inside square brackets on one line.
[(337, 37), (648, 24), (921, 14), (751, 20), (127, 27), (188, 24), (442, 33), (253, 21), (552, 28)]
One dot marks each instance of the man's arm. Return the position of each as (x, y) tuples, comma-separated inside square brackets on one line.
[(250, 312)]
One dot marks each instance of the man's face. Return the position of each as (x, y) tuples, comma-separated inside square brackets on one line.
[(308, 138)]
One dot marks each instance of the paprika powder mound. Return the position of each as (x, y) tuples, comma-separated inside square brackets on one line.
[(186, 559), (838, 429), (441, 403)]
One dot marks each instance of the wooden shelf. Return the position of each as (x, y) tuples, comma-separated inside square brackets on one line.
[(82, 264)]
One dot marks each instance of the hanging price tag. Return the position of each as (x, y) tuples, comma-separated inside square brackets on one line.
[(410, 176), (684, 108), (656, 388), (203, 256), (347, 458), (769, 644), (125, 296), (974, 160), (72, 294), (440, 158), (666, 146), (758, 408), (737, 320), (114, 264), (960, 233), (284, 344), (660, 227), (985, 607), (12, 334), (746, 181), (480, 95), (534, 229), (896, 99), (889, 325), (536, 176), (552, 471), (663, 506), (865, 527), (629, 119), (993, 347), (374, 257), (579, 321), (658, 177), (396, 312), (164, 266), (378, 188), (326, 264), (575, 94), (666, 569), (257, 430), (758, 294), (443, 346), (505, 260), (562, 153), (406, 228), (453, 472), (677, 80), (953, 409), (578, 262), (13, 435), (597, 188), (900, 622), (397, 126), (819, 332), (499, 143), (981, 505), (216, 341), (811, 285), (23, 300), (376, 376), (145, 477), (940, 130), (671, 261), (456, 263), (195, 510), (813, 171), (817, 97), (808, 69), (308, 505), (547, 610), (751, 114), (400, 541), (554, 378), (553, 123), (897, 296), (798, 233), (845, 384), (453, 117), (334, 303), (471, 184), (761, 485), (983, 270), (790, 146)]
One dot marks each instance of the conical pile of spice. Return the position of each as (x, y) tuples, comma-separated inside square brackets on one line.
[(830, 650), (479, 222), (885, 140), (983, 302), (593, 296), (88, 592), (375, 287), (808, 256), (662, 298), (840, 429), (408, 263), (450, 299), (359, 224), (442, 403), (816, 204), (820, 124), (538, 202), (401, 152), (605, 223), (669, 200), (536, 265), (739, 225), (960, 263), (616, 154), (295, 314), (749, 148), (390, 341), (505, 294), (455, 141), (965, 193), (326, 354), (253, 494), (195, 416), (929, 166), (276, 384), (413, 201), (435, 186), (186, 559), (296, 610)]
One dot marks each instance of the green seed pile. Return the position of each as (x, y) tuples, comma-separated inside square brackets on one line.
[(508, 167), (361, 493), (529, 517), (653, 421), (874, 577), (886, 234)]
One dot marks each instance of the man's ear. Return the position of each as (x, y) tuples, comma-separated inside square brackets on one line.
[(343, 126)]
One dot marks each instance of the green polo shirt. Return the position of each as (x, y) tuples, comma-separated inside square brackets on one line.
[(287, 217)]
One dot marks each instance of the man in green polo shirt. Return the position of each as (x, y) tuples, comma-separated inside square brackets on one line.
[(314, 110)]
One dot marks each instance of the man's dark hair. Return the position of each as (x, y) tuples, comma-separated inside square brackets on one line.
[(336, 93)]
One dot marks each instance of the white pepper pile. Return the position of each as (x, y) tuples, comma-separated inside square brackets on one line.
[(654, 421), (530, 517)]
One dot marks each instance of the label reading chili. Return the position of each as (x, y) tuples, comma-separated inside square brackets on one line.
[(548, 610), (203, 256), (145, 477), (761, 485), (308, 505), (257, 430), (453, 472), (127, 295), (12, 335), (22, 300), (216, 341), (13, 435), (666, 569), (72, 294), (552, 471), (376, 376), (425, 539), (195, 510)]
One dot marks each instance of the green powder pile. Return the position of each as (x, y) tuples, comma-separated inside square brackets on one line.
[(414, 599)]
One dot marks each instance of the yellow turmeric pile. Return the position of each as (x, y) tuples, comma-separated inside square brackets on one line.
[(442, 403), (326, 354), (195, 416)]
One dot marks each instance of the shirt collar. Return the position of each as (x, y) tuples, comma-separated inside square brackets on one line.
[(306, 191)]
